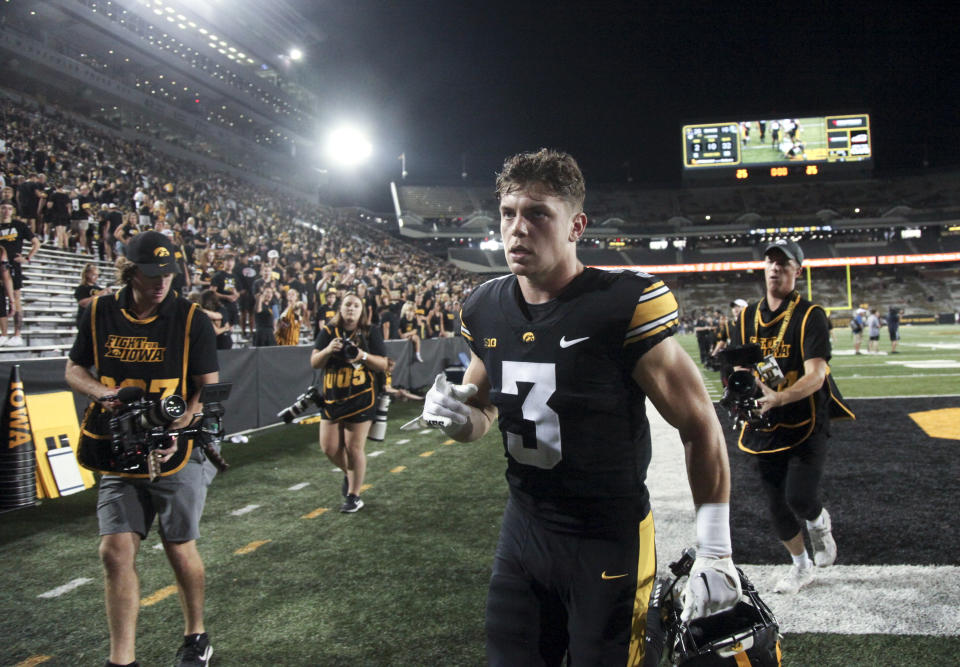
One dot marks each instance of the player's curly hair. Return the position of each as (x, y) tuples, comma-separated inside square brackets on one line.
[(553, 169), (125, 270)]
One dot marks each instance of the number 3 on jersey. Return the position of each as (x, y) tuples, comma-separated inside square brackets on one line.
[(548, 452)]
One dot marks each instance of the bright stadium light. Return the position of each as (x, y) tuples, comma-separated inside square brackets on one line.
[(296, 54), (348, 146)]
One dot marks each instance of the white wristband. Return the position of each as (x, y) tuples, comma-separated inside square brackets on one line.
[(364, 357), (713, 530)]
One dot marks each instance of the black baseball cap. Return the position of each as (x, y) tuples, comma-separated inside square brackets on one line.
[(153, 253), (788, 248)]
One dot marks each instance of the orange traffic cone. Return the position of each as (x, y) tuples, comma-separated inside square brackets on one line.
[(18, 457)]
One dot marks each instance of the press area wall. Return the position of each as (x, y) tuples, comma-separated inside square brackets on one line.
[(265, 380)]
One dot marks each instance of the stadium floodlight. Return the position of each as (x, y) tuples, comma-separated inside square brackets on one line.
[(296, 54), (348, 146)]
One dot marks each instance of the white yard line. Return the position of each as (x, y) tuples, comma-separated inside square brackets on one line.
[(244, 510), (66, 588)]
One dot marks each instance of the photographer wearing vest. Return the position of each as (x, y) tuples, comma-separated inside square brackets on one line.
[(146, 336), (789, 437), (353, 357)]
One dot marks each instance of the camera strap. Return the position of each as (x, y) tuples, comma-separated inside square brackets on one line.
[(792, 306)]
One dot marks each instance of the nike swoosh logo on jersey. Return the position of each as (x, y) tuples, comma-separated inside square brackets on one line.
[(567, 343), (604, 575)]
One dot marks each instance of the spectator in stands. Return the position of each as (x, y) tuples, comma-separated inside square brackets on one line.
[(389, 316), (88, 288), (264, 317), (873, 329), (59, 208), (245, 275), (291, 318), (409, 327), (224, 284), (351, 383), (209, 300), (437, 322), (127, 229), (12, 235), (893, 328)]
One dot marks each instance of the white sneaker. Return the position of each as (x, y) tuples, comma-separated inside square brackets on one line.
[(15, 341), (4, 340), (824, 546), (796, 579)]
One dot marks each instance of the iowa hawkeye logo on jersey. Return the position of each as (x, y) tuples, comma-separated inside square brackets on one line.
[(528, 337), (133, 348)]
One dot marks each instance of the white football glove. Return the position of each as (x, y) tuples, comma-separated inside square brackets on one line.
[(444, 406), (713, 586)]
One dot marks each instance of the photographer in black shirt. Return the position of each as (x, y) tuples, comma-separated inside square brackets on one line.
[(353, 358)]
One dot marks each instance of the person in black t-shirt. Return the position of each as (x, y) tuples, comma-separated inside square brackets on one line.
[(59, 208), (139, 337), (12, 235), (224, 284), (87, 289), (790, 447)]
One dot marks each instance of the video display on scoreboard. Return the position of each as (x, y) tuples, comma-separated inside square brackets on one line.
[(777, 141)]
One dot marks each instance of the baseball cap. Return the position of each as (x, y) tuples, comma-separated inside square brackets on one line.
[(739, 302), (153, 253), (788, 248)]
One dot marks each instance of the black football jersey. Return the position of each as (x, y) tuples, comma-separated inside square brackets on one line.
[(573, 420)]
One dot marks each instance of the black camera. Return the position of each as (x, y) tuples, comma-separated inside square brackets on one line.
[(311, 395), (140, 426), (742, 390), (349, 351)]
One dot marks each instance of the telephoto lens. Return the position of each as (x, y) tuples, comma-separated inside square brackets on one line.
[(379, 429)]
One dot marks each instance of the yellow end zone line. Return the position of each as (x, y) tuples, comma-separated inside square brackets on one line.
[(250, 548), (398, 469), (161, 594), (426, 454), (315, 513), (34, 660)]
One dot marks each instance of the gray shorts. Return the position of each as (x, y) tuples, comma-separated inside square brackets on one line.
[(129, 505)]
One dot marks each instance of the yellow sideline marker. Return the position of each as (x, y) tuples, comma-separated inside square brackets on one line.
[(399, 469), (34, 660), (448, 442), (426, 454), (250, 548), (162, 594), (365, 487), (944, 423), (315, 513)]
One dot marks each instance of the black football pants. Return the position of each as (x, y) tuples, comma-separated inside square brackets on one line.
[(555, 595)]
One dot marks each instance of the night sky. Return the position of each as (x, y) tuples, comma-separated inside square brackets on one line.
[(612, 82)]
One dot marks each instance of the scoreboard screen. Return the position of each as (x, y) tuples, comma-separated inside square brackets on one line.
[(776, 148)]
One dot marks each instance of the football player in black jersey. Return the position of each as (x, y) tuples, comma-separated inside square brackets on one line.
[(791, 446), (564, 357), (147, 336)]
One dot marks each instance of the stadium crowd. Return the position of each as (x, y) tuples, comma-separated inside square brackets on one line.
[(88, 192)]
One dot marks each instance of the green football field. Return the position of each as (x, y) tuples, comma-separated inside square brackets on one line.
[(291, 581)]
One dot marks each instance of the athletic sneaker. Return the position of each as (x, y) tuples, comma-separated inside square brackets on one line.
[(824, 546), (345, 487), (195, 652), (14, 341), (4, 340), (351, 504), (796, 579)]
